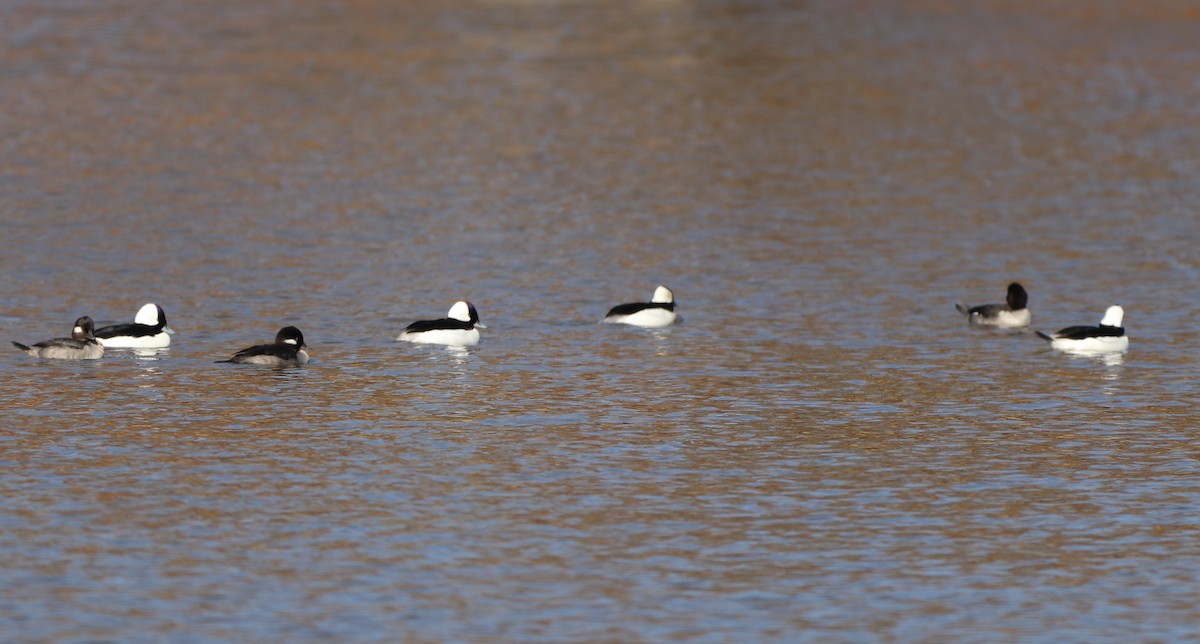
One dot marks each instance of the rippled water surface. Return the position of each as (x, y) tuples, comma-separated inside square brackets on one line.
[(820, 450)]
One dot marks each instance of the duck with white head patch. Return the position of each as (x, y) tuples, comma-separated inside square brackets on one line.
[(1108, 337), (148, 331), (658, 312), (1013, 314), (286, 351), (81, 345), (460, 328)]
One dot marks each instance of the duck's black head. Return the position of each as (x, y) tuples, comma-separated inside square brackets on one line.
[(290, 336), (1017, 297), (84, 329)]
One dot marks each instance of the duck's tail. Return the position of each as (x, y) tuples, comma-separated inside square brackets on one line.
[(22, 347), (1045, 337), (962, 309)]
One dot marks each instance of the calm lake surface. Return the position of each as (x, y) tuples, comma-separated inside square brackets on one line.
[(821, 450)]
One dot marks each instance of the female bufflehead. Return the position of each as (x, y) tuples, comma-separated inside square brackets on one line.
[(459, 328), (81, 345), (1109, 337), (287, 351), (1011, 315), (148, 331), (659, 311)]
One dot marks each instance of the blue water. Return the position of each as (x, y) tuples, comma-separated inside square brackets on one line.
[(820, 450)]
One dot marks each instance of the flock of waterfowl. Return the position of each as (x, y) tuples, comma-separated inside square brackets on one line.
[(460, 327), (1107, 337)]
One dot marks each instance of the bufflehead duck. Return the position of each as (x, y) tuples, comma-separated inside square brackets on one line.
[(659, 311), (1013, 314), (460, 327), (81, 345), (1109, 337), (286, 351), (148, 331)]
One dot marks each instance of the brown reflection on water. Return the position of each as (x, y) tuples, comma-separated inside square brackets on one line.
[(821, 447)]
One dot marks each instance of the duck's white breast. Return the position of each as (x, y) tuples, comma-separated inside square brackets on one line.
[(156, 341), (1103, 344), (455, 337), (654, 317)]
